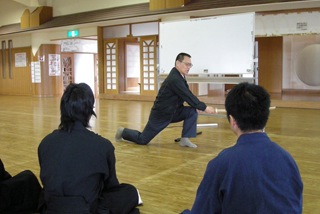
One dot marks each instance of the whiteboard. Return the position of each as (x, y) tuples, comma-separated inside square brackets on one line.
[(220, 44)]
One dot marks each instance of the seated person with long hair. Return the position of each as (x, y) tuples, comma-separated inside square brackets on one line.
[(77, 166)]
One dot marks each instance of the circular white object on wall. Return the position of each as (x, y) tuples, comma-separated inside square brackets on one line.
[(308, 65)]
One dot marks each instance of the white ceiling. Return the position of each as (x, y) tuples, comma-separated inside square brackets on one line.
[(11, 10), (32, 3)]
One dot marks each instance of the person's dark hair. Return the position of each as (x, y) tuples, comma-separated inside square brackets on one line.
[(181, 56), (77, 103), (249, 105)]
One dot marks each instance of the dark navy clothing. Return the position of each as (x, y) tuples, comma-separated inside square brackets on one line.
[(254, 176), (80, 164), (19, 193), (169, 108), (174, 91)]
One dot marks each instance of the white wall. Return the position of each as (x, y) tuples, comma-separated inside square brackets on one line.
[(296, 62), (287, 24), (84, 69), (35, 39), (11, 12), (299, 31), (22, 40)]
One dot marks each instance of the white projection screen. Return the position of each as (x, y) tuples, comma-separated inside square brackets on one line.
[(220, 44)]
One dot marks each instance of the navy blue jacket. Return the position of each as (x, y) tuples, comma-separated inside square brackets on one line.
[(254, 176), (174, 91)]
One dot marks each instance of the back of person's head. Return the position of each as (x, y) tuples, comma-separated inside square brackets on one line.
[(77, 103), (249, 105), (181, 56)]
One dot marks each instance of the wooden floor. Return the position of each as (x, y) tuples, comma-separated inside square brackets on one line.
[(166, 174), (289, 99)]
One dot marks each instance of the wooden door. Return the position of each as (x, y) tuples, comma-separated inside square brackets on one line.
[(148, 65), (270, 60), (111, 67)]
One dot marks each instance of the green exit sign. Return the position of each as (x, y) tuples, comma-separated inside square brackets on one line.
[(73, 33)]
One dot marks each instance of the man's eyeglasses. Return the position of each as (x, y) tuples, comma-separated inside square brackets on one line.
[(188, 64)]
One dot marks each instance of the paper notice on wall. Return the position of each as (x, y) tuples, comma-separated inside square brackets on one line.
[(20, 59), (36, 72), (54, 65)]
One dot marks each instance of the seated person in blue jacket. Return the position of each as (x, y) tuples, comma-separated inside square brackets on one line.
[(169, 108), (255, 175), (77, 166)]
